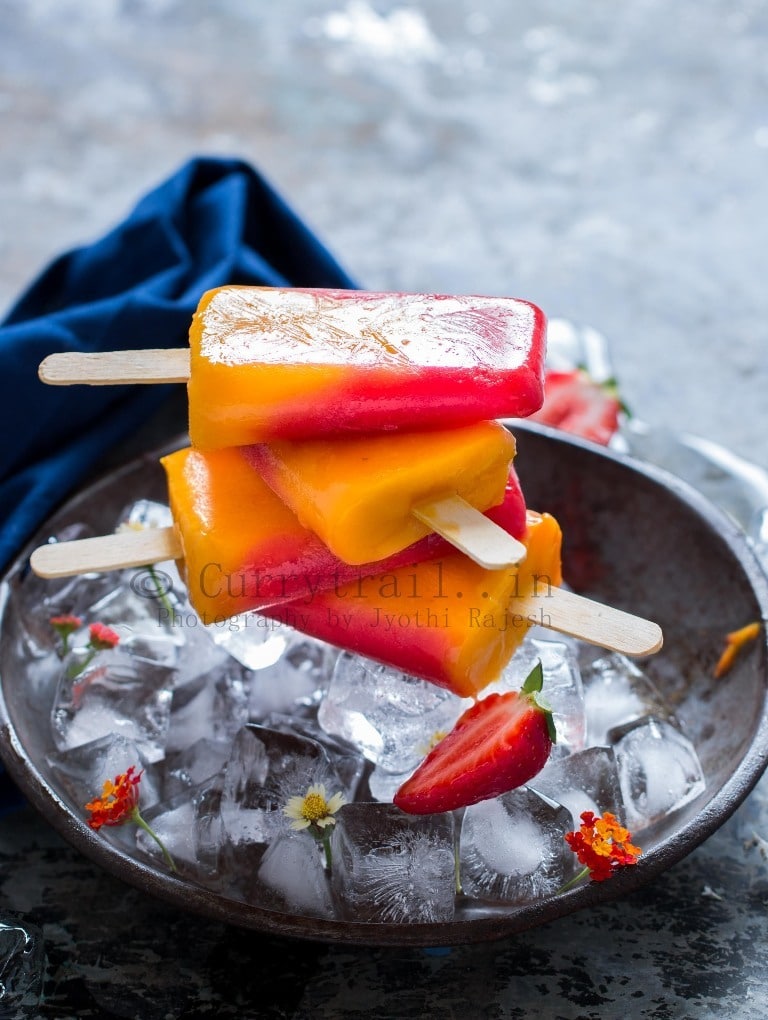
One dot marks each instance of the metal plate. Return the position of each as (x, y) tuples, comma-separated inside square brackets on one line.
[(635, 537)]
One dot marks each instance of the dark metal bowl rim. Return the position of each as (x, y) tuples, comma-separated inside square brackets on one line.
[(495, 924)]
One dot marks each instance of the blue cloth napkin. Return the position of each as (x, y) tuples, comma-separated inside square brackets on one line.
[(215, 221)]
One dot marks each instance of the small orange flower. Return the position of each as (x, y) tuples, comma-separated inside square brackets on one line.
[(602, 845), (103, 637), (734, 644), (119, 799), (119, 803)]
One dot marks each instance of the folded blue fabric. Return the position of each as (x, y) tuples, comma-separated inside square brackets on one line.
[(215, 221)]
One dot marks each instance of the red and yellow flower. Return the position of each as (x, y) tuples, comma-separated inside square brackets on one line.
[(119, 804), (119, 800), (602, 845)]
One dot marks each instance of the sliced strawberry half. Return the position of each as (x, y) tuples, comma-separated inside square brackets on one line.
[(498, 744), (575, 403)]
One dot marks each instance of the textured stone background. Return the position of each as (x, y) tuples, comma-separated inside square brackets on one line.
[(608, 161), (609, 164)]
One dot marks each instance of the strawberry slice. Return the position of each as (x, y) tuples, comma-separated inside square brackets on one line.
[(575, 403), (498, 744)]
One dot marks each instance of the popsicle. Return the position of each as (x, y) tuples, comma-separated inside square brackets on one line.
[(241, 548), (368, 497), (456, 624), (269, 363), (448, 620)]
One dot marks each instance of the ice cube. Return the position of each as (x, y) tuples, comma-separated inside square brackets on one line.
[(253, 640), (384, 785), (513, 848), (617, 692), (199, 655), (587, 780), (292, 877), (562, 690), (159, 582), (82, 770), (145, 513), (297, 679), (393, 867), (265, 770), (38, 599), (138, 621), (174, 824), (194, 766), (393, 718), (22, 967), (210, 837), (659, 771), (116, 693), (212, 705), (348, 764)]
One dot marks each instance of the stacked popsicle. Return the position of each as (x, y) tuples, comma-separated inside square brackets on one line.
[(334, 433)]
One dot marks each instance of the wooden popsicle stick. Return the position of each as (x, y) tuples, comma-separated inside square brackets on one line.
[(109, 368), (593, 622), (474, 534), (553, 608), (106, 552), (459, 523)]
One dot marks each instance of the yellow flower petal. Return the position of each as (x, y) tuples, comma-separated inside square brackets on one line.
[(300, 823), (321, 823)]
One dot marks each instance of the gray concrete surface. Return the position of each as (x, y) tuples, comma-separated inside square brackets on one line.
[(607, 161)]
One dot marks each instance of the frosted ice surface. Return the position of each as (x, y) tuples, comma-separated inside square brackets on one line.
[(659, 771), (389, 866), (118, 694), (587, 780), (513, 848), (392, 717), (617, 692), (292, 877)]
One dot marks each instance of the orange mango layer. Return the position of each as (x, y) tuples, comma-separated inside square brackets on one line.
[(244, 549), (268, 363), (357, 493), (447, 620)]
